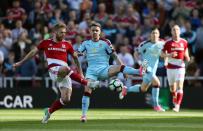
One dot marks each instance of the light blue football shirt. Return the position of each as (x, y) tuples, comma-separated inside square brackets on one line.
[(151, 52), (97, 53)]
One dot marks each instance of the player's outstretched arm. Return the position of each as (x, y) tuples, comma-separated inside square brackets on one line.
[(165, 54), (187, 57), (118, 61), (137, 57), (80, 53), (32, 53), (75, 58), (116, 58)]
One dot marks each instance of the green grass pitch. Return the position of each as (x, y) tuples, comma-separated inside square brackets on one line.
[(102, 120)]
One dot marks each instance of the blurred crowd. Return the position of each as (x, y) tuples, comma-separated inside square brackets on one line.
[(126, 23)]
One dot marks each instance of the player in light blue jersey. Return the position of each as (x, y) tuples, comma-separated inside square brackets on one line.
[(98, 52), (149, 51)]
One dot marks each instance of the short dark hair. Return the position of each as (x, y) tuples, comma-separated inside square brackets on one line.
[(93, 23), (122, 45), (155, 28)]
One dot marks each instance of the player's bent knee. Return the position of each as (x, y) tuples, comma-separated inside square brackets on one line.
[(144, 89), (63, 71), (87, 89), (156, 85), (172, 89), (114, 70), (180, 84), (121, 68), (87, 94)]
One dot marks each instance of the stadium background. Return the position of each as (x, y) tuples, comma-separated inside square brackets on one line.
[(24, 23)]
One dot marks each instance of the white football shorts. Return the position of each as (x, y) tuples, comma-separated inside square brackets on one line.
[(174, 75), (65, 82)]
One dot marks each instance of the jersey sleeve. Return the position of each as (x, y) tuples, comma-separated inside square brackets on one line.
[(109, 47), (42, 45), (82, 47), (186, 45), (160, 47), (140, 48), (70, 49)]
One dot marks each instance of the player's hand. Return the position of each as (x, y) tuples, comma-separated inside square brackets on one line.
[(15, 65), (80, 54), (173, 54), (82, 75)]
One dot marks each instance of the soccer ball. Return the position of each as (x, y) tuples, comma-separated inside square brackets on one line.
[(116, 85)]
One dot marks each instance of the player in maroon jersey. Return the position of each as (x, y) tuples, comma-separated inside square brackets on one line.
[(176, 65), (56, 51)]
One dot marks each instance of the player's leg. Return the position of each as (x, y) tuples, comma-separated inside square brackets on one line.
[(180, 83), (134, 89), (179, 96), (91, 75), (155, 94), (115, 69), (66, 91), (86, 102), (173, 87), (66, 71), (155, 91), (64, 100), (147, 78), (171, 75)]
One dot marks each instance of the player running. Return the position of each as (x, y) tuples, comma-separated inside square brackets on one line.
[(176, 65), (149, 51), (98, 52), (56, 51)]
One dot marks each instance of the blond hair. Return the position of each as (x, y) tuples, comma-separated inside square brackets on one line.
[(59, 25)]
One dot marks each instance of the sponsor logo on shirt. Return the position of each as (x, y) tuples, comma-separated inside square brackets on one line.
[(57, 49), (177, 48)]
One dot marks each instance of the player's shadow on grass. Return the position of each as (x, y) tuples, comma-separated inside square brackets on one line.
[(108, 124)]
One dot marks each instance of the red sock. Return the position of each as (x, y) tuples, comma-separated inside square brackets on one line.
[(179, 96), (78, 78), (56, 105), (174, 97)]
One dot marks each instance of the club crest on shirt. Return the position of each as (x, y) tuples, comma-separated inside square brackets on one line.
[(94, 50), (63, 46), (181, 45)]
